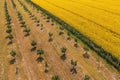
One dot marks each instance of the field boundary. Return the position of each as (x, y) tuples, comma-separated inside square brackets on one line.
[(99, 50)]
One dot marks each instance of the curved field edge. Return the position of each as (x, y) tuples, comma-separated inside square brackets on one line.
[(99, 50)]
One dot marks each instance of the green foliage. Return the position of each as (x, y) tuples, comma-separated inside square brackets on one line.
[(8, 26), (27, 30), (46, 64), (48, 17), (61, 33), (86, 48), (50, 34), (10, 36), (40, 52), (86, 55), (74, 63), (46, 67), (61, 28), (7, 16), (68, 33), (14, 5), (9, 30), (63, 49), (22, 22), (13, 53), (33, 43), (87, 77), (56, 77), (75, 40)]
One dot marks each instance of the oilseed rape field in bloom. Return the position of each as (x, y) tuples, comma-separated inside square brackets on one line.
[(99, 20)]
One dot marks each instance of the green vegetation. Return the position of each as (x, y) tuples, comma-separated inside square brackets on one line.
[(86, 77), (13, 54), (46, 67), (40, 52), (99, 50), (86, 55), (56, 77), (73, 69), (33, 44), (63, 50), (50, 36)]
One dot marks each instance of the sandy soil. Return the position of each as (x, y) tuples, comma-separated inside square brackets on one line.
[(29, 68)]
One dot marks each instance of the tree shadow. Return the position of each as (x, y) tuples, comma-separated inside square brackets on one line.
[(38, 25), (12, 61), (6, 37), (76, 45), (46, 71), (73, 70), (33, 49), (26, 35), (61, 33), (63, 57), (50, 40), (39, 59), (10, 42), (68, 38), (41, 29), (17, 71)]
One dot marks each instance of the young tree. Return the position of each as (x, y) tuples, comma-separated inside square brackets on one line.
[(50, 36), (22, 22), (33, 44), (41, 25), (38, 21), (86, 48), (9, 30), (87, 77), (46, 67), (10, 36), (61, 28), (63, 50), (76, 44), (13, 54), (61, 33), (86, 55), (74, 64), (27, 30), (56, 77), (8, 26), (75, 40), (40, 52)]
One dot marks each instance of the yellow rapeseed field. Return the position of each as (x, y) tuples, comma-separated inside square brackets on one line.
[(99, 20)]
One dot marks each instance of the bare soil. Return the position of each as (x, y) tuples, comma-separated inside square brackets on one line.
[(28, 67)]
